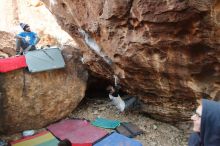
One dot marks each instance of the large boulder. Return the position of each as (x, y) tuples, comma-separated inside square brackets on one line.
[(33, 100), (165, 52)]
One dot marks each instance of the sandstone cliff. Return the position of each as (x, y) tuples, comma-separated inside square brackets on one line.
[(167, 52)]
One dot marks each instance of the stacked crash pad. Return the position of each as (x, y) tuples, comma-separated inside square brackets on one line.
[(44, 59), (12, 63), (36, 61)]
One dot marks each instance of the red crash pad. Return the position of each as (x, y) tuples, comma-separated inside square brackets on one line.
[(12, 63), (79, 132)]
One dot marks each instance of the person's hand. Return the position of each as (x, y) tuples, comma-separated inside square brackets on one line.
[(17, 55)]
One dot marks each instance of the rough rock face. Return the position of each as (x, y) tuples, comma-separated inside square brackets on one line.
[(7, 44), (31, 101), (34, 13), (167, 52)]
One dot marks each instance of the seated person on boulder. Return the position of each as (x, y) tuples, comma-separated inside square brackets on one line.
[(26, 40)]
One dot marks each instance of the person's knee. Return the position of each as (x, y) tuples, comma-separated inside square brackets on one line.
[(131, 103), (131, 99), (18, 39)]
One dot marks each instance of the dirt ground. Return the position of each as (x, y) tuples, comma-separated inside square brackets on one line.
[(155, 133)]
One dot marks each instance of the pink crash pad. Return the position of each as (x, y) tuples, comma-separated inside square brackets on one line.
[(12, 63), (66, 126), (77, 131)]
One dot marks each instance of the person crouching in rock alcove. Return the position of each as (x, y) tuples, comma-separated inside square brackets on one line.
[(206, 125), (26, 40), (120, 104)]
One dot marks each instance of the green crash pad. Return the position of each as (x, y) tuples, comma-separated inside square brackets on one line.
[(44, 59), (106, 123)]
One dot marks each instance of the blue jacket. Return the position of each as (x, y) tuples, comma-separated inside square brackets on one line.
[(30, 37), (210, 126)]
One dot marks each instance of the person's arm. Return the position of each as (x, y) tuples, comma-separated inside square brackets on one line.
[(194, 140), (37, 39), (116, 91), (18, 36), (117, 88)]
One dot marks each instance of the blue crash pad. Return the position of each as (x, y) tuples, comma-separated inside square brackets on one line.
[(116, 139), (44, 59)]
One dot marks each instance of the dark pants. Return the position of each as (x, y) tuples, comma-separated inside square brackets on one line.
[(131, 102), (23, 47)]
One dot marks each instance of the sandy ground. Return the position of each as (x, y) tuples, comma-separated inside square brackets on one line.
[(155, 133)]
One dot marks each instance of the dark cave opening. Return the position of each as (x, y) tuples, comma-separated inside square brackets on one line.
[(96, 87)]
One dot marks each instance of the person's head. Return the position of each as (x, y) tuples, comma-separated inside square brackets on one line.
[(110, 89), (25, 27), (207, 122), (196, 118), (65, 142)]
